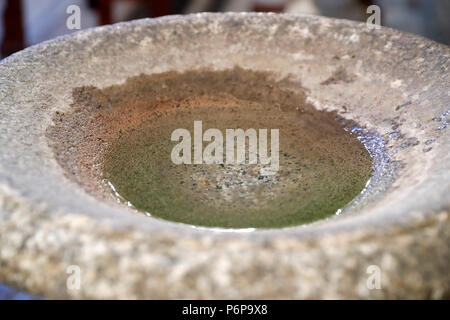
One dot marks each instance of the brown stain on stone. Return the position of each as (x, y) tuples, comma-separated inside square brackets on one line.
[(341, 75)]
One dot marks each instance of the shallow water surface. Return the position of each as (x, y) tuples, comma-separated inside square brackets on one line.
[(322, 166), (116, 142)]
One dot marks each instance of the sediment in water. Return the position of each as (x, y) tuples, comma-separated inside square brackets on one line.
[(121, 135)]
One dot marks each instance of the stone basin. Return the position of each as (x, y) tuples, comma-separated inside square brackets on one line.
[(394, 85)]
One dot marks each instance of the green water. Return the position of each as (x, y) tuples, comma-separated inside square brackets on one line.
[(322, 168)]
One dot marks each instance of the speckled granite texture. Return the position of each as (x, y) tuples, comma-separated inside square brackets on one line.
[(391, 82)]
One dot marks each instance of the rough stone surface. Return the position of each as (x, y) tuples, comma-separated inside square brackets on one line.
[(391, 82)]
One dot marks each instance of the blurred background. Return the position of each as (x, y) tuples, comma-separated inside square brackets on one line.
[(27, 22)]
